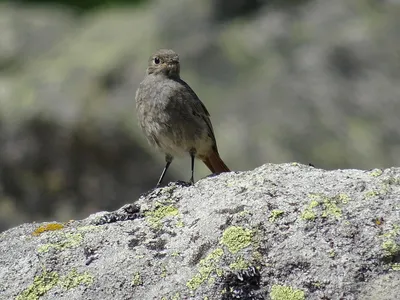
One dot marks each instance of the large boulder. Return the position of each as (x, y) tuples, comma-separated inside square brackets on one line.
[(279, 232)]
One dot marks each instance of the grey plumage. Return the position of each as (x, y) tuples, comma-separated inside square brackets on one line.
[(171, 115)]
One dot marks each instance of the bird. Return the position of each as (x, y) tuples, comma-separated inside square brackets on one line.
[(173, 118)]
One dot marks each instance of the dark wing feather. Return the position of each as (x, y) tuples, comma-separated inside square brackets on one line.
[(200, 109)]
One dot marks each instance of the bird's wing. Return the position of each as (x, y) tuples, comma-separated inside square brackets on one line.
[(200, 109)]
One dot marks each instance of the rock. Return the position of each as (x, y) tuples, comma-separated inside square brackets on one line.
[(279, 232)]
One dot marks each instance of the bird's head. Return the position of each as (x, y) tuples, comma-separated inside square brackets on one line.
[(165, 62)]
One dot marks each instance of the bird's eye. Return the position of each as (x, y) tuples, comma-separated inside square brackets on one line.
[(156, 60)]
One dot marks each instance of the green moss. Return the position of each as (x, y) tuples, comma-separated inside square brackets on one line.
[(392, 233), (376, 172), (207, 266), (332, 253), (317, 284), (275, 214), (344, 198), (239, 264), (40, 286), (396, 267), (68, 240), (331, 208), (329, 205), (244, 213), (371, 194), (154, 217), (177, 296), (309, 214), (392, 180), (164, 271), (236, 238), (180, 224), (74, 279), (47, 227), (257, 256), (137, 279), (48, 280), (391, 247), (280, 292)]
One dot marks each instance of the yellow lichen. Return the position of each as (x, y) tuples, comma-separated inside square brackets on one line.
[(47, 227), (161, 211), (239, 264), (280, 292), (236, 238), (274, 215), (207, 266), (137, 279)]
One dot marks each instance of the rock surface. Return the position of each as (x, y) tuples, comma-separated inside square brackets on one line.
[(279, 232)]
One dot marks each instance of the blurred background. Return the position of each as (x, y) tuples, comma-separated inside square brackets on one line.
[(306, 81)]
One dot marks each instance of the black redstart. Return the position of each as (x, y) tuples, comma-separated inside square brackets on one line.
[(173, 118)]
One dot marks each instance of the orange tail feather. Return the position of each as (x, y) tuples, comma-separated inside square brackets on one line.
[(215, 163)]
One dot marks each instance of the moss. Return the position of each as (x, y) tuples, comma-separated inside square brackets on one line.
[(74, 279), (257, 256), (164, 271), (40, 286), (161, 211), (236, 238), (332, 253), (392, 233), (371, 194), (344, 198), (239, 264), (207, 266), (331, 208), (329, 204), (309, 214), (69, 240), (177, 296), (48, 227), (244, 213), (391, 247), (175, 254), (275, 214), (48, 280), (392, 180), (219, 272), (396, 267), (180, 224), (376, 172), (137, 279), (280, 292), (317, 284)]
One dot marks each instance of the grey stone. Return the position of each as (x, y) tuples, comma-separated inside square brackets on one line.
[(280, 230)]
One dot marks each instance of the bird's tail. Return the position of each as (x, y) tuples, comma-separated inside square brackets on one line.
[(215, 163)]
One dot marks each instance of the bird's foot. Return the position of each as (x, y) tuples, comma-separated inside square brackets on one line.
[(183, 183)]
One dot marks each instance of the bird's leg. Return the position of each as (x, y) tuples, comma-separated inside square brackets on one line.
[(192, 156), (168, 159)]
